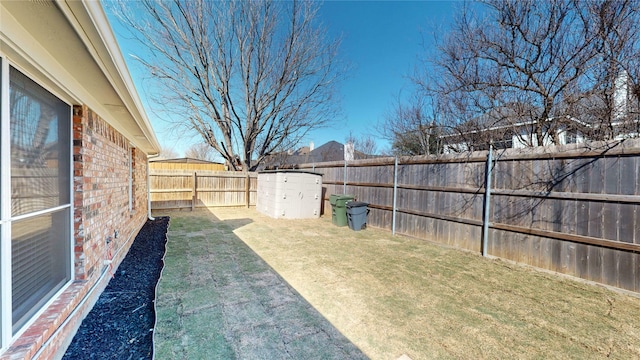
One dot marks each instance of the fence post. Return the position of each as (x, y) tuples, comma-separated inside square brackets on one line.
[(247, 190), (344, 187), (395, 196), (194, 192), (487, 201)]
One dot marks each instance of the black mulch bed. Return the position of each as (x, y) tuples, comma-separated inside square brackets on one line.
[(120, 325)]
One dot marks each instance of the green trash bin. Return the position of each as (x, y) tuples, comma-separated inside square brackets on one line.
[(332, 200), (339, 208)]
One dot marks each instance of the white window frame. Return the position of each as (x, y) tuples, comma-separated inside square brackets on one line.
[(7, 335), (5, 178)]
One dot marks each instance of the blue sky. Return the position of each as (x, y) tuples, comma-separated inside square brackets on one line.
[(381, 40)]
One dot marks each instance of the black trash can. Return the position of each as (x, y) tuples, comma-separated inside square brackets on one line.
[(357, 212)]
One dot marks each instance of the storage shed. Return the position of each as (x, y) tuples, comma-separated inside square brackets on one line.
[(289, 194)]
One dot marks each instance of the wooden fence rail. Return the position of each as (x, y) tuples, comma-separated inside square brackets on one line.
[(180, 189), (572, 209)]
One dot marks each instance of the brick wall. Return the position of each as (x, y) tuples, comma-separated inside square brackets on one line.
[(139, 181), (104, 228)]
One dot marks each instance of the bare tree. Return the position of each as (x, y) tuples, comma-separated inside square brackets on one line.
[(364, 145), (251, 77), (200, 151), (529, 70), (414, 125), (613, 99), (528, 56), (168, 153)]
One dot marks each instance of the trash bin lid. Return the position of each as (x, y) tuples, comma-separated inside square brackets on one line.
[(351, 204), (345, 197)]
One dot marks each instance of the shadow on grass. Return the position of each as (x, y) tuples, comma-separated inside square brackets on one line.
[(217, 298)]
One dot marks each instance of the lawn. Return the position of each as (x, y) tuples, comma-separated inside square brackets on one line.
[(387, 295)]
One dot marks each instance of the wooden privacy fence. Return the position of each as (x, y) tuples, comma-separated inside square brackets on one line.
[(575, 211), (171, 166), (192, 189)]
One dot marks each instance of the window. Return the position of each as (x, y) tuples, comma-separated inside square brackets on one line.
[(574, 137), (36, 217), (504, 143)]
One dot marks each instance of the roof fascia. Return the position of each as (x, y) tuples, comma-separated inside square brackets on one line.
[(92, 26)]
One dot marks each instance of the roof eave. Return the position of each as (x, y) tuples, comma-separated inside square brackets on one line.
[(92, 26)]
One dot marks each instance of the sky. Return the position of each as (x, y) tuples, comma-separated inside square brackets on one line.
[(382, 42)]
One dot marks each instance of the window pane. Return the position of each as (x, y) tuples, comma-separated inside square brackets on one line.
[(39, 133), (40, 262), (40, 142), (1, 158), (2, 202)]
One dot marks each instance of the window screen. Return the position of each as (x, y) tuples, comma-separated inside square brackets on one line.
[(40, 138), (40, 262), (40, 132)]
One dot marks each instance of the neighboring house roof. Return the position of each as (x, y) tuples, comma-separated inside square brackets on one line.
[(580, 114), (303, 150), (184, 160), (501, 120), (501, 117), (330, 151), (77, 57)]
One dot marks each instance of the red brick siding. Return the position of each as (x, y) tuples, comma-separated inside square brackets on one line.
[(101, 208), (139, 180)]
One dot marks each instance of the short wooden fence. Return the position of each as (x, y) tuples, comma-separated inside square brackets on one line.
[(194, 189)]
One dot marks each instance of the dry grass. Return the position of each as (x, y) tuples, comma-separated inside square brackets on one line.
[(396, 295)]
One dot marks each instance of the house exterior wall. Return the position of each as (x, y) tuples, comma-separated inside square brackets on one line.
[(520, 141), (101, 193), (104, 229)]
